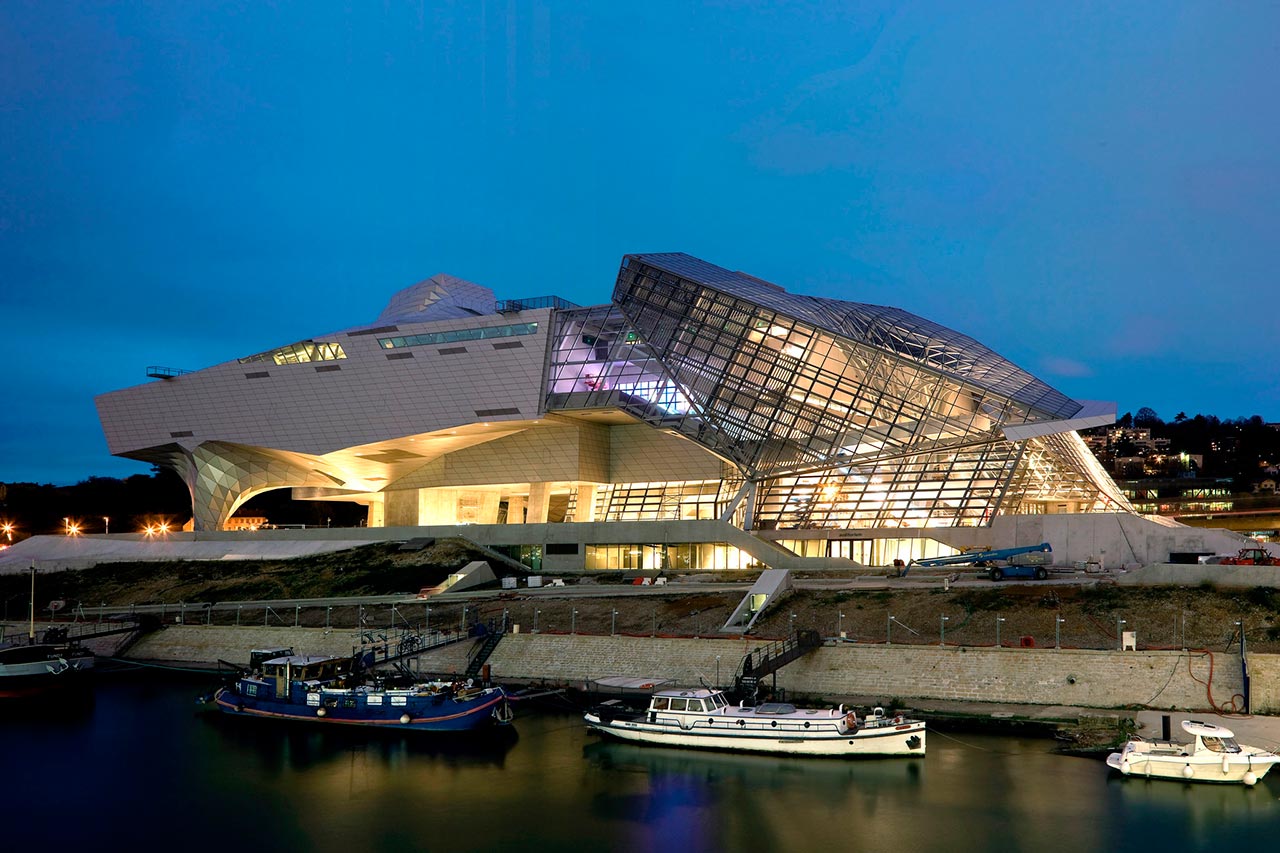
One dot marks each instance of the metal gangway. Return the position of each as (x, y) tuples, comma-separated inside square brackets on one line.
[(765, 661)]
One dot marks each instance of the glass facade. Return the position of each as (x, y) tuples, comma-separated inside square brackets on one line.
[(842, 415), (678, 556), (455, 335)]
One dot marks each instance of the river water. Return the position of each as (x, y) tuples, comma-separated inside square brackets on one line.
[(142, 767)]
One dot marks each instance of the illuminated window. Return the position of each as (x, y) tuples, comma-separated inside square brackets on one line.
[(299, 353), (455, 335)]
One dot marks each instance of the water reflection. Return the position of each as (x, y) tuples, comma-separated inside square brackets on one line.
[(141, 763), (280, 746)]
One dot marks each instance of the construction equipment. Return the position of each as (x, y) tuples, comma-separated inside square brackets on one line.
[(978, 558)]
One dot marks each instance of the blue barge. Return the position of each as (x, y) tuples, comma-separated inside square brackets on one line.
[(326, 690)]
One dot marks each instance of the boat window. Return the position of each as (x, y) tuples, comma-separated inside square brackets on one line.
[(660, 703), (1213, 744), (695, 705), (679, 704)]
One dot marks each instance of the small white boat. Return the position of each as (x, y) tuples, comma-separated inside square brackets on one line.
[(1212, 756), (705, 719)]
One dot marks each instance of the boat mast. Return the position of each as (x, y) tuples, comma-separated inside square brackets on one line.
[(31, 631)]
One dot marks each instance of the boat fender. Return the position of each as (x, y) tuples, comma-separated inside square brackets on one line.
[(851, 721), (320, 712), (1249, 778), (1187, 772), (897, 721), (405, 719), (1124, 766), (1226, 764)]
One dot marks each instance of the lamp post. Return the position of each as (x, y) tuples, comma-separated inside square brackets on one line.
[(462, 626), (613, 623), (328, 611), (1120, 633), (839, 624), (793, 623), (888, 630), (1057, 631), (717, 672), (942, 630), (573, 621), (999, 619), (426, 625), (536, 613), (106, 523)]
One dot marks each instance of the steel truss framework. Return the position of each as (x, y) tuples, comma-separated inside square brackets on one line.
[(842, 414)]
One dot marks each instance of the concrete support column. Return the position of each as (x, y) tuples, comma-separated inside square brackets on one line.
[(515, 509), (401, 508), (487, 512), (539, 502), (437, 506), (376, 515), (586, 502)]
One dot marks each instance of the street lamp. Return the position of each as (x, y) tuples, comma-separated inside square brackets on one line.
[(888, 630), (613, 623), (839, 624), (1120, 633), (793, 623), (106, 523), (942, 630), (999, 619), (717, 672), (1057, 631), (7, 529), (536, 613), (573, 622)]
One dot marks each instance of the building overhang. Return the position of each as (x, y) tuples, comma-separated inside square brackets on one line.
[(1093, 413)]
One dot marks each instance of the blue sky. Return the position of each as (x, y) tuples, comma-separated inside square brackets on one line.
[(1093, 192)]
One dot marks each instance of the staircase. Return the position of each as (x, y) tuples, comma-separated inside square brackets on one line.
[(767, 660), (491, 640)]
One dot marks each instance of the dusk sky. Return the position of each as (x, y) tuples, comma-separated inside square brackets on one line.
[(1093, 192)]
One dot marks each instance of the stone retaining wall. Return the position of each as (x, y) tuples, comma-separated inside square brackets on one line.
[(1104, 679)]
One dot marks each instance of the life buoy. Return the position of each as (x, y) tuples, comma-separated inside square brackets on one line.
[(850, 720)]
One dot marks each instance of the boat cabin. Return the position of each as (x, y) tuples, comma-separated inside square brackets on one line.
[(282, 672), (701, 701), (1211, 738)]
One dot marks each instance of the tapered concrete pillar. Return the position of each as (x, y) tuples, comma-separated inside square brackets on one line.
[(586, 510), (515, 509), (539, 503)]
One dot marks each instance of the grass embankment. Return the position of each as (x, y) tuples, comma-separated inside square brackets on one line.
[(1173, 617)]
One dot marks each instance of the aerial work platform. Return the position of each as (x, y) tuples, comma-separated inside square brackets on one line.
[(988, 556)]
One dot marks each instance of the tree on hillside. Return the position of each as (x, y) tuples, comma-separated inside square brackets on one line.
[(1147, 417)]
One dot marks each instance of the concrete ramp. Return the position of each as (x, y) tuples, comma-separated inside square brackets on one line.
[(473, 574), (771, 584)]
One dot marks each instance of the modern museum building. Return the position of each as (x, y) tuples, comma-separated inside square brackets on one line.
[(700, 419)]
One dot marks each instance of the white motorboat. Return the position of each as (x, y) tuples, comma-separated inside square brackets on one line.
[(705, 719), (1212, 756)]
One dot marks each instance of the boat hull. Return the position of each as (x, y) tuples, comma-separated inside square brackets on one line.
[(1237, 769), (435, 713), (906, 740)]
